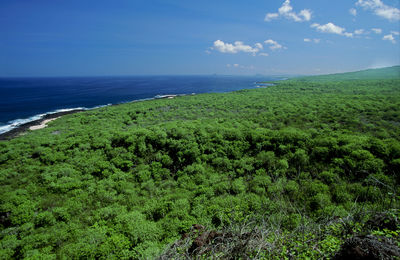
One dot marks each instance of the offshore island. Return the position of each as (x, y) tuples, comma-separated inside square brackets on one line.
[(303, 168)]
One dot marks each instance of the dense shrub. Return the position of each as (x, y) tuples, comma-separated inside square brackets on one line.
[(125, 181)]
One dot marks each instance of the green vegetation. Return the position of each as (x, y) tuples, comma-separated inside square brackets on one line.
[(304, 164)]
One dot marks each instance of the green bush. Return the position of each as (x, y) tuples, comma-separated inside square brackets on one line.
[(294, 159)]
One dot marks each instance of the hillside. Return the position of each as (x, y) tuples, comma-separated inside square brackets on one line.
[(292, 170), (375, 74)]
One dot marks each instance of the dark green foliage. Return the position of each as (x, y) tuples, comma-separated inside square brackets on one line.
[(124, 181)]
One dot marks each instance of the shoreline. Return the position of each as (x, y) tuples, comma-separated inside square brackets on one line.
[(42, 122), (35, 123)]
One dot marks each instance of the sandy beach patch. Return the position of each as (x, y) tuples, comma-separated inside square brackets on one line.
[(42, 124)]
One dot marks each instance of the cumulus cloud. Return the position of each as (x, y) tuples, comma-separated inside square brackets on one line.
[(395, 32), (389, 37), (331, 28), (236, 47), (239, 46), (273, 45), (307, 40), (380, 9), (377, 30), (353, 11), (286, 11)]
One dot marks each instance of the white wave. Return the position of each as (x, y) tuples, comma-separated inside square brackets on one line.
[(6, 128), (171, 95), (138, 100), (67, 110), (98, 106)]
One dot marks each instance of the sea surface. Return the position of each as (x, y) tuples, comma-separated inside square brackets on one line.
[(26, 99)]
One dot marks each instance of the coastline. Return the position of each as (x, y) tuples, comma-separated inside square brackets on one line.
[(35, 123), (46, 118)]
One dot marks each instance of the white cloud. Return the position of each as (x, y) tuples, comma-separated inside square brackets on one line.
[(306, 14), (390, 13), (368, 3), (377, 30), (328, 28), (312, 40), (395, 32), (286, 11), (389, 37), (270, 16), (263, 54), (353, 11), (259, 46), (380, 9), (273, 44), (238, 66), (359, 31), (331, 28), (236, 47)]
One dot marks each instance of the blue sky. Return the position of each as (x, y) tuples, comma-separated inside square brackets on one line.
[(142, 37)]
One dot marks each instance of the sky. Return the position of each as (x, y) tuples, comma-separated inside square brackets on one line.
[(185, 37)]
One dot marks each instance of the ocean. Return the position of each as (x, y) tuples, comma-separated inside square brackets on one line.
[(23, 100)]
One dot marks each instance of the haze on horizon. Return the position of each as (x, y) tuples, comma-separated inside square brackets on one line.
[(81, 38)]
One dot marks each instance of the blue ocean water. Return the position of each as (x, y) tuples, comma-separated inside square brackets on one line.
[(26, 99)]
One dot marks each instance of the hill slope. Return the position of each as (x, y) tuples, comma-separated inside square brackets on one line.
[(299, 167), (370, 74)]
